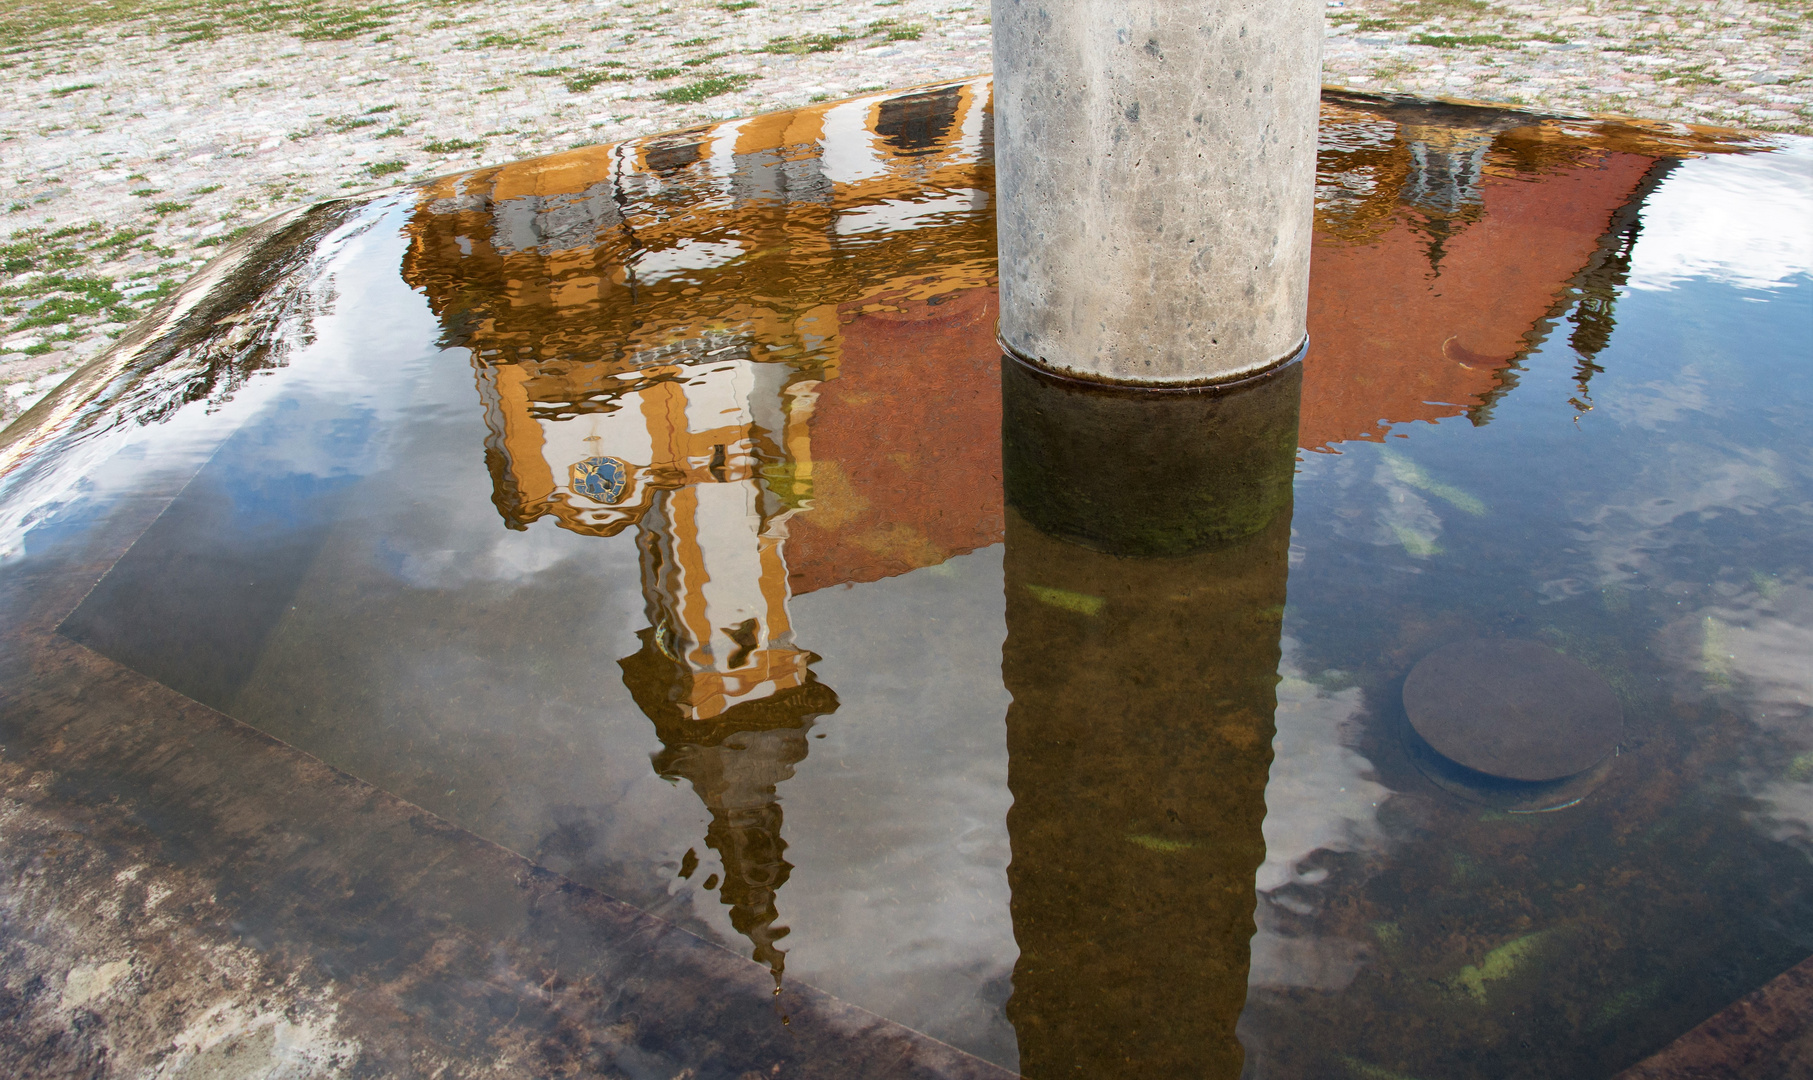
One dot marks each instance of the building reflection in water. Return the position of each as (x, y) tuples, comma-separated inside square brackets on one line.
[(618, 394), (1147, 547), (704, 452), (657, 327)]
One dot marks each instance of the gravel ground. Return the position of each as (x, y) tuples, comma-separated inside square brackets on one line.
[(138, 135)]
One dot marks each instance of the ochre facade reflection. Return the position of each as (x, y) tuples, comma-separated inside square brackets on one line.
[(652, 327)]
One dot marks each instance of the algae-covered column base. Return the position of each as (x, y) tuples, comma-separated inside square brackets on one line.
[(1155, 172)]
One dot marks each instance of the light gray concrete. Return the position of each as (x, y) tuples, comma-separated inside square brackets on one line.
[(1156, 176)]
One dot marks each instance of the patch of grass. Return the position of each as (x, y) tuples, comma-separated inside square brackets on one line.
[(195, 32), (1455, 41), (1552, 39), (494, 90), (810, 43), (693, 43), (343, 25), (1694, 75), (146, 192), (224, 238), (453, 146), (376, 109), (385, 168), (498, 41), (663, 73), (116, 245), (390, 133), (548, 73), (739, 5), (344, 124), (585, 80), (209, 190), (165, 209), (705, 88), (65, 91), (895, 30), (701, 61)]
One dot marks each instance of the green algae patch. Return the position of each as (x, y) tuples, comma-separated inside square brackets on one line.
[(1365, 1070), (1415, 542), (1081, 603), (1715, 652), (1501, 963), (1160, 844), (1409, 472)]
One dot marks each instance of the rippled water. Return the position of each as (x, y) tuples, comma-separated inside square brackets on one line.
[(645, 510)]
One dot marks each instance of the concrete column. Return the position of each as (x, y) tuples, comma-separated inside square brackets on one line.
[(1155, 179)]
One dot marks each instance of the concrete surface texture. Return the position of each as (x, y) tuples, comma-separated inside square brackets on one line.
[(1155, 165), (136, 136)]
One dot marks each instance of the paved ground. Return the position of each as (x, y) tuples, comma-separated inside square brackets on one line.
[(136, 136)]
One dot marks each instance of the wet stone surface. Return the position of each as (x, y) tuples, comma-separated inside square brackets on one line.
[(513, 624)]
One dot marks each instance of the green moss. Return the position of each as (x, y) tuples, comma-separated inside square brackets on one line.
[(1408, 472), (1081, 603), (1160, 844), (1415, 542), (1501, 963), (1715, 651)]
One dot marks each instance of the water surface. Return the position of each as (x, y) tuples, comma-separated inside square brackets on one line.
[(644, 510)]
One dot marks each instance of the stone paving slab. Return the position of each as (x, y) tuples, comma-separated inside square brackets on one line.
[(136, 136)]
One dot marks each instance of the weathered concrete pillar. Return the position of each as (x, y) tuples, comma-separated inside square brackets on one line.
[(1155, 173)]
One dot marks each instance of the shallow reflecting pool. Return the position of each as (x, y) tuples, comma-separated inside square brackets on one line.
[(666, 514)]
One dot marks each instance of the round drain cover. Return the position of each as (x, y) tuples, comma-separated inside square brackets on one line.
[(1512, 709)]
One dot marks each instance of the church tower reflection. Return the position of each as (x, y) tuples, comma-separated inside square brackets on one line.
[(1147, 550), (704, 453)]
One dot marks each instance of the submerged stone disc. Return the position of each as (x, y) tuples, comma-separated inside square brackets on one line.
[(1513, 709)]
